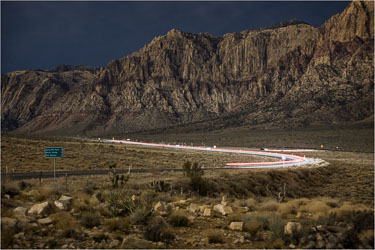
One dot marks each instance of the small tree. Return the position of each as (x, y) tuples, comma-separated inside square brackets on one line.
[(195, 173)]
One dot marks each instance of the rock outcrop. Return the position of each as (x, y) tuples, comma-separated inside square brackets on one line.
[(288, 75)]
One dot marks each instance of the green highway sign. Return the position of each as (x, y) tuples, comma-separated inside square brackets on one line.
[(53, 152)]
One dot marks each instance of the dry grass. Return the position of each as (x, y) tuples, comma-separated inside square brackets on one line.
[(42, 193), (65, 222), (348, 207), (269, 205), (81, 202), (214, 236), (118, 224)]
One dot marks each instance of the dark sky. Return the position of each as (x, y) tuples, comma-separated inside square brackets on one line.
[(41, 35)]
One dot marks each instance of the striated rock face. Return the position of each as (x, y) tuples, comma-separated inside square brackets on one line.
[(291, 74)]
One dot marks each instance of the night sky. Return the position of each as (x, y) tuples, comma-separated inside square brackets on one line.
[(41, 35)]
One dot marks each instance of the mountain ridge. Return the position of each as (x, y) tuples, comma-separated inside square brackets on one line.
[(288, 76)]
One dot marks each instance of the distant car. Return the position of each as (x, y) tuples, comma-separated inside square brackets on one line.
[(262, 149)]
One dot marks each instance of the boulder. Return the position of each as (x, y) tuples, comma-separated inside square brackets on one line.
[(223, 210), (207, 212), (20, 211), (160, 208), (182, 203), (8, 222), (243, 209), (237, 226), (114, 243), (45, 221), (64, 202), (224, 201), (39, 208), (202, 208), (191, 219), (292, 227), (194, 208)]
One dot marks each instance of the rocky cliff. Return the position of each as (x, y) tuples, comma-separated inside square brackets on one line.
[(286, 75)]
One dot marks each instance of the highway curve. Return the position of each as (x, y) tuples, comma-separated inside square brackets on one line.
[(285, 160)]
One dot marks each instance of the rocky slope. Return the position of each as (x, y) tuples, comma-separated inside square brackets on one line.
[(287, 75)]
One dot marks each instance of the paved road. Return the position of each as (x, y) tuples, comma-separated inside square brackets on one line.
[(49, 174), (285, 160)]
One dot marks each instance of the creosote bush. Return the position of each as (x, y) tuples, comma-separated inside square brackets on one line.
[(157, 229), (67, 223), (178, 220), (118, 224), (269, 205), (276, 226), (214, 237), (90, 219), (252, 227)]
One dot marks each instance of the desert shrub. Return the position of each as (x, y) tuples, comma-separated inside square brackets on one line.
[(362, 220), (276, 226), (350, 239), (90, 220), (118, 224), (100, 237), (8, 186), (43, 193), (251, 203), (269, 205), (327, 220), (332, 203), (103, 211), (195, 173), (141, 214), (316, 208), (89, 188), (23, 185), (7, 237), (122, 204), (288, 208), (6, 211), (252, 227), (149, 196), (367, 238), (65, 221), (178, 220), (277, 244), (235, 217), (167, 235), (81, 202), (51, 243), (347, 207), (214, 237), (156, 229)]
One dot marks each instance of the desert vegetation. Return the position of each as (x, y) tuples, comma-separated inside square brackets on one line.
[(324, 207)]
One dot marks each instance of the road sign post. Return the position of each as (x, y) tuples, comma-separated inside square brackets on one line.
[(54, 153)]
